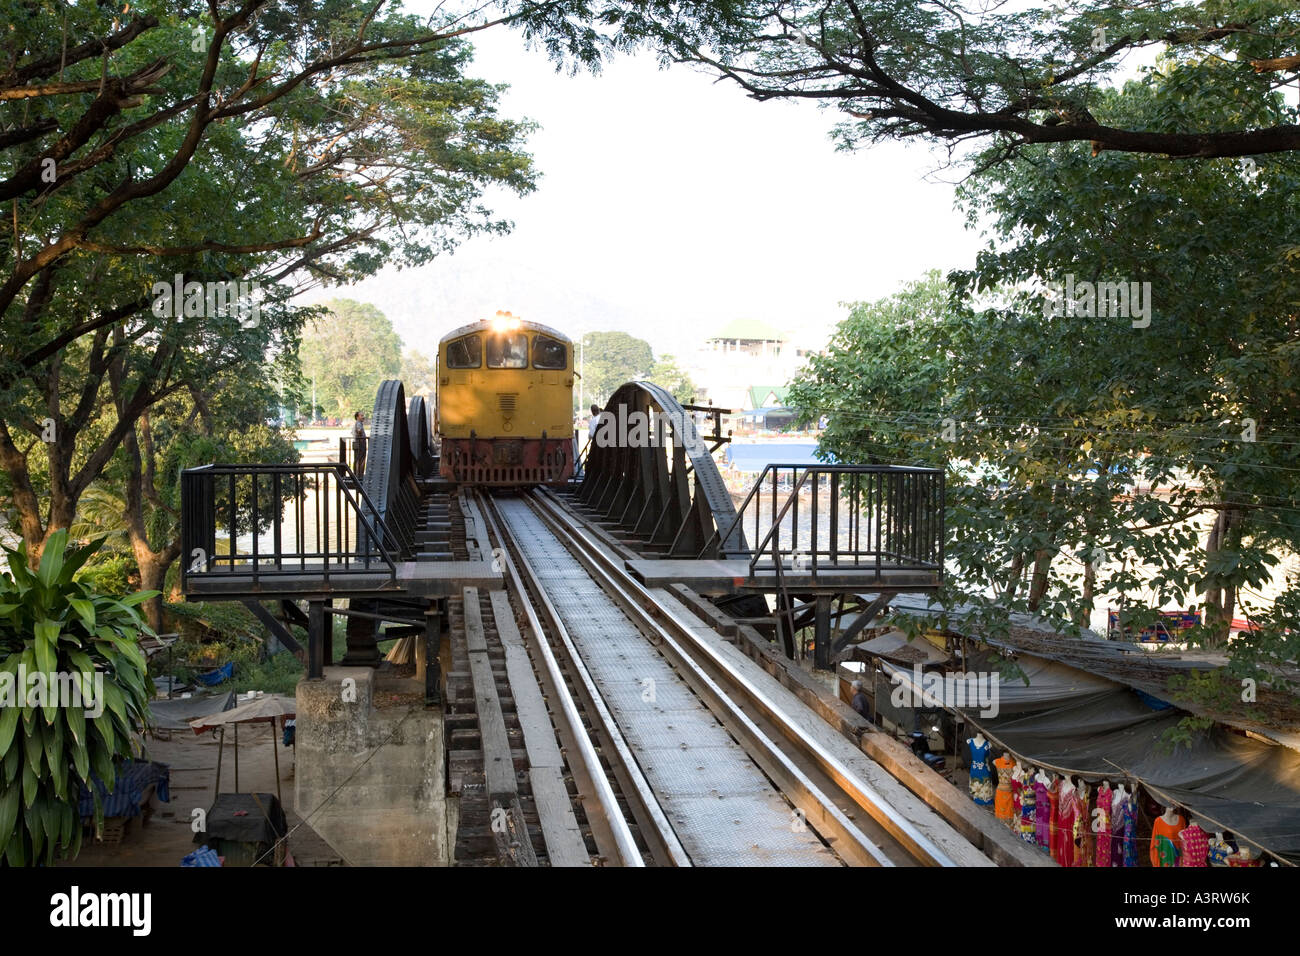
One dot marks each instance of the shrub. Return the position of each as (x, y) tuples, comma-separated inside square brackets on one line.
[(52, 624)]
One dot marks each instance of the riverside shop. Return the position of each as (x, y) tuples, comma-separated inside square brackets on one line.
[(1082, 766)]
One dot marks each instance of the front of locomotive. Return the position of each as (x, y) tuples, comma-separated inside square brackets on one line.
[(505, 403)]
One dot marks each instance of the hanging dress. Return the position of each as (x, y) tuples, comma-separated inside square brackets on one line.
[(1067, 815), (1083, 837), (1054, 820), (1125, 831), (1003, 801), (1028, 819), (1195, 846), (1101, 824), (981, 777), (1164, 841), (1042, 816)]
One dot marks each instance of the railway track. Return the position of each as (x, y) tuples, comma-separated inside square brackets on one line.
[(676, 756)]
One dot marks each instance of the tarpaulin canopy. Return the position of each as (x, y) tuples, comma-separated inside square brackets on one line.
[(894, 646), (176, 713), (1086, 726), (269, 707)]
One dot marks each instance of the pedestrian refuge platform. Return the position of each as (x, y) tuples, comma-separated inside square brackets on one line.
[(732, 576), (430, 579)]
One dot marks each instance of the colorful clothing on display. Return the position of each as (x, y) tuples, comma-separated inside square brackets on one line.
[(1068, 813), (981, 778), (1164, 841), (1054, 820), (1042, 816), (1195, 846), (1123, 846), (1002, 798), (1028, 817), (1083, 848), (1219, 851), (1101, 824)]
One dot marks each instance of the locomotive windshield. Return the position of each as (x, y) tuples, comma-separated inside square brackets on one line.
[(508, 350), (548, 353), (465, 353)]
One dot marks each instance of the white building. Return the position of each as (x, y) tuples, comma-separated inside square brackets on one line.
[(744, 355)]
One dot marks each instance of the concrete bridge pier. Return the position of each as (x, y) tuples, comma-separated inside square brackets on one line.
[(371, 779)]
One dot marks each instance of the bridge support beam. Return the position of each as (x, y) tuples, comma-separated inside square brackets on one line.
[(822, 632), (432, 650), (316, 624), (363, 643)]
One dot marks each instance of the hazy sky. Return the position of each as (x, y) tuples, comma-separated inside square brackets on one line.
[(670, 204)]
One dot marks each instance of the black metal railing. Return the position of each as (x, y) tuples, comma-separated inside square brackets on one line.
[(267, 521), (348, 453), (827, 517)]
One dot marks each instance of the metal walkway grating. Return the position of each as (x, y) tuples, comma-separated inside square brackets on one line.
[(724, 809)]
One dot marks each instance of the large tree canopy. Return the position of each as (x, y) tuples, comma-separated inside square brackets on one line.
[(274, 141), (1148, 454), (611, 358), (346, 353), (952, 70)]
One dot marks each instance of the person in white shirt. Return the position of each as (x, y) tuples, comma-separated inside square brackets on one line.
[(359, 443)]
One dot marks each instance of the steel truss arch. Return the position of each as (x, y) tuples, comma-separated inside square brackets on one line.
[(650, 471)]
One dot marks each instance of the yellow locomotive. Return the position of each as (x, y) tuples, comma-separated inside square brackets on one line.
[(505, 403)]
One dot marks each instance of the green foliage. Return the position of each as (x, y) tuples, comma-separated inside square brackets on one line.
[(101, 512), (277, 674), (52, 623), (324, 166), (199, 622), (609, 359), (417, 372), (1210, 688), (1082, 451), (1007, 73), (667, 373), (350, 349), (1186, 733), (110, 574), (212, 635)]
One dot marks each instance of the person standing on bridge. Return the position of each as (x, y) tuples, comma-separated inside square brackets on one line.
[(593, 424), (359, 443)]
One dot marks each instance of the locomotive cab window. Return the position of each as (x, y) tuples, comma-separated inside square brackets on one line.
[(507, 350), (548, 353), (465, 353)]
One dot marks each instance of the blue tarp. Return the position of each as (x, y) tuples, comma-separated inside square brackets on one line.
[(133, 778), (203, 856), (222, 673)]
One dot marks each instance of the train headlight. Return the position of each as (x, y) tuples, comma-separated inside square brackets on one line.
[(505, 322)]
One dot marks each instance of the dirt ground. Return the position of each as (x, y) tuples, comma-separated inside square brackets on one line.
[(167, 836)]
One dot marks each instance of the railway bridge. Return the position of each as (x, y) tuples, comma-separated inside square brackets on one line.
[(599, 674)]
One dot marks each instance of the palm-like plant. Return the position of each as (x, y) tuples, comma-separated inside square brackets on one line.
[(53, 625), (100, 512)]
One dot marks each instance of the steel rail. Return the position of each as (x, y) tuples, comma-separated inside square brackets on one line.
[(820, 810), (658, 619), (655, 828)]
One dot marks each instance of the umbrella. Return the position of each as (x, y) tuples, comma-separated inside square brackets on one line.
[(267, 708)]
